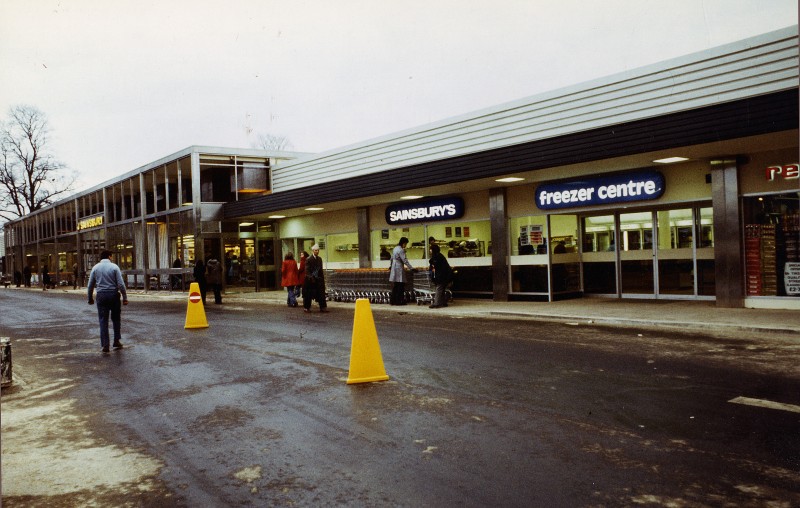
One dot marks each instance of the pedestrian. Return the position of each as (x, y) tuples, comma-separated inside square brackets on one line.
[(441, 275), (397, 273), (314, 282), (214, 278), (26, 273), (176, 279), (289, 271), (45, 277), (17, 278), (200, 277), (75, 276), (107, 277)]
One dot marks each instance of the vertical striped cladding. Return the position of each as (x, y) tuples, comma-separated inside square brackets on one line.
[(749, 68)]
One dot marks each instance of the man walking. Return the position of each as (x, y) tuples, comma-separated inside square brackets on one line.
[(107, 277), (314, 283)]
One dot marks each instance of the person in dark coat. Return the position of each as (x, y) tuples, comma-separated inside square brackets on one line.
[(200, 278), (176, 279), (441, 275), (45, 278), (314, 282), (26, 273), (214, 278)]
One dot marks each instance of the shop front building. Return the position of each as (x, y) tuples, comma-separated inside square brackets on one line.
[(158, 220), (644, 185), (675, 181)]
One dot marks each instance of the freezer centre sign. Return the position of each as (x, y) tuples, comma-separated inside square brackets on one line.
[(628, 187), (425, 211)]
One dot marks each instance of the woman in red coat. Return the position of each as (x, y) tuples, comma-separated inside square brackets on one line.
[(301, 273), (289, 278)]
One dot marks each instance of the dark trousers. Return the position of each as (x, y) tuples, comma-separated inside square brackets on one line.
[(398, 296), (314, 291), (291, 299), (440, 297), (203, 290), (217, 289), (108, 302)]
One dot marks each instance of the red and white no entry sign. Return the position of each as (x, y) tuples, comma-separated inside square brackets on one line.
[(194, 297)]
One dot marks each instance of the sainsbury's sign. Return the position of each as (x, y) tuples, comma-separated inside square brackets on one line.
[(638, 186), (425, 211)]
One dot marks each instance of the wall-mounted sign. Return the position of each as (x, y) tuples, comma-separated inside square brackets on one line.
[(787, 172), (425, 211), (90, 222), (531, 235), (791, 279), (638, 186)]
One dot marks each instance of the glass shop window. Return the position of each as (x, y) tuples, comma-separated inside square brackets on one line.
[(772, 245)]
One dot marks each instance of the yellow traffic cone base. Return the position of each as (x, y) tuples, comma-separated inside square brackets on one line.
[(195, 312), (366, 362)]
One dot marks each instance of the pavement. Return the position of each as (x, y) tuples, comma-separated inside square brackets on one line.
[(699, 316)]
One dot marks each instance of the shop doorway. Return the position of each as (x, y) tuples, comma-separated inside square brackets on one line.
[(239, 262), (649, 254)]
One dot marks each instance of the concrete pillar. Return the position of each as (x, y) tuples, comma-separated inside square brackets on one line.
[(728, 268), (499, 226), (364, 241)]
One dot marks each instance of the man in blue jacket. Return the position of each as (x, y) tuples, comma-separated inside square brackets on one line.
[(107, 277)]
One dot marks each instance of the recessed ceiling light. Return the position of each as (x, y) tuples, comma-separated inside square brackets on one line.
[(314, 208), (670, 160), (245, 224), (277, 217), (510, 179), (410, 197)]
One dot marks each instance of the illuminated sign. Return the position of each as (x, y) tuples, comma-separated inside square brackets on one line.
[(639, 186), (90, 222), (425, 211), (787, 172)]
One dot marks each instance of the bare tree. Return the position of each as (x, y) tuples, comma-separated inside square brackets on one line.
[(272, 142), (30, 176)]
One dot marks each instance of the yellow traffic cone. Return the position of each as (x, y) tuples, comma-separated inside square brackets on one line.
[(366, 362), (195, 313)]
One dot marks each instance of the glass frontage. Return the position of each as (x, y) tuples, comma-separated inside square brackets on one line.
[(529, 259), (664, 252), (565, 260), (385, 240), (676, 234), (636, 252), (599, 254), (225, 178), (772, 245)]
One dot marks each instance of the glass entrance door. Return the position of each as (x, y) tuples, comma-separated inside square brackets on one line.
[(598, 255), (664, 253), (676, 234), (636, 253)]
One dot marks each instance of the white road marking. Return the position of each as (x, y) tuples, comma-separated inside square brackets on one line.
[(765, 403)]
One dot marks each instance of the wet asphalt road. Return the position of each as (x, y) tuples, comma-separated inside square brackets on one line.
[(255, 411)]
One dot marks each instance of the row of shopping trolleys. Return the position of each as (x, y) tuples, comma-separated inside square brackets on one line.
[(349, 285)]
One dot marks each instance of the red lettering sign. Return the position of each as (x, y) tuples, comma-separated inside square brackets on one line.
[(787, 172)]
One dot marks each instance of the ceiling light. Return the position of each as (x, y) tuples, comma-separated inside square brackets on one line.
[(410, 197), (276, 217), (245, 224), (314, 208), (510, 179), (670, 160)]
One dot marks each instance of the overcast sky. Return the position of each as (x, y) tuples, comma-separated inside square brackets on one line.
[(124, 83)]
